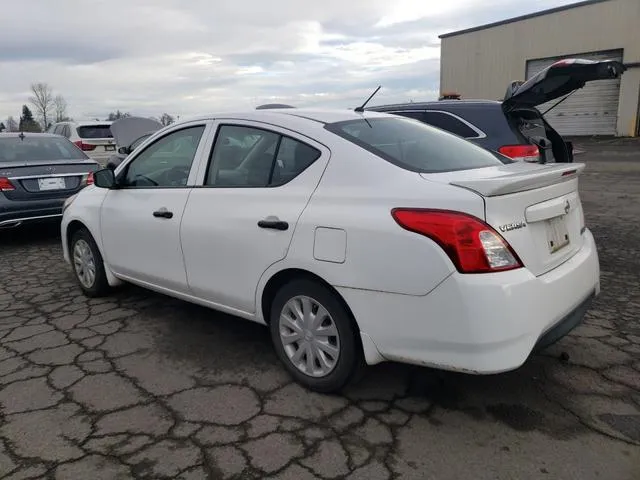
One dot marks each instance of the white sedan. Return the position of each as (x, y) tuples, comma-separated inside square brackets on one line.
[(356, 237)]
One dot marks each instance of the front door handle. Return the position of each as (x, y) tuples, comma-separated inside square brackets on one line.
[(163, 213), (273, 223)]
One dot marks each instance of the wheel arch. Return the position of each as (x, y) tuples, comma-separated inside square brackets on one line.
[(363, 341), (285, 276), (73, 227)]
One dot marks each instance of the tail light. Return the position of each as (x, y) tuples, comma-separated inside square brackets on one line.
[(85, 147), (89, 180), (6, 185), (521, 153), (471, 244)]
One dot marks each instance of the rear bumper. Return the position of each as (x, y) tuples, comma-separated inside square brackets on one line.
[(564, 327), (487, 323), (14, 213)]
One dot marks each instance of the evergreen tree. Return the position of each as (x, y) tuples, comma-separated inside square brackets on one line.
[(27, 123)]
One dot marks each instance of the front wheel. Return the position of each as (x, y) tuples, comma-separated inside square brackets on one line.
[(88, 265), (314, 336)]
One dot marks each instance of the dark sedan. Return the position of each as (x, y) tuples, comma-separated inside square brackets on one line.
[(38, 172)]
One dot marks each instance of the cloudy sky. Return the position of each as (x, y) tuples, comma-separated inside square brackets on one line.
[(189, 57)]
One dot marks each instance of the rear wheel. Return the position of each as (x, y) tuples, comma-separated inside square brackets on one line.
[(314, 336), (88, 265)]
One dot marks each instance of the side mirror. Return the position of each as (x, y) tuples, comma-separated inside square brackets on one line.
[(104, 178), (124, 151)]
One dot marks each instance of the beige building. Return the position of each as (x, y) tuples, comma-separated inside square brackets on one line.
[(480, 62)]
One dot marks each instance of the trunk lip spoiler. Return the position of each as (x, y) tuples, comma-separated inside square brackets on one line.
[(521, 181)]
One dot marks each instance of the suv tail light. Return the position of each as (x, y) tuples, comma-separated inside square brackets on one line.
[(471, 244), (6, 185), (85, 147), (522, 153)]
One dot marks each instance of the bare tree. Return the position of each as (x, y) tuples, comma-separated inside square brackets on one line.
[(12, 125), (166, 119), (117, 115), (42, 101), (60, 107)]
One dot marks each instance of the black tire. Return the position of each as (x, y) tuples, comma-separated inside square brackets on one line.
[(350, 364), (100, 286)]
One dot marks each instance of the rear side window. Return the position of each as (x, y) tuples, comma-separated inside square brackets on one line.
[(413, 145), (94, 131), (450, 124), (253, 157), (441, 120)]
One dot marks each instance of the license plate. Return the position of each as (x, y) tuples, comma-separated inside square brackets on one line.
[(51, 184), (110, 148), (557, 234)]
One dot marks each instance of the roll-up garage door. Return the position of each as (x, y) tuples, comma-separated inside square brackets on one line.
[(592, 110)]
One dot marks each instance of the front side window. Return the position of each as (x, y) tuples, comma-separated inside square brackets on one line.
[(413, 145), (253, 157), (166, 162)]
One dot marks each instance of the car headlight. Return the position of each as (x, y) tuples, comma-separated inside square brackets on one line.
[(68, 202)]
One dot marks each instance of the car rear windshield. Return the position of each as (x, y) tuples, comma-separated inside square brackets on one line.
[(94, 131), (413, 145), (37, 149)]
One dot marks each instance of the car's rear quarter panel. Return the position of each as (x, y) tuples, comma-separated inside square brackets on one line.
[(356, 195)]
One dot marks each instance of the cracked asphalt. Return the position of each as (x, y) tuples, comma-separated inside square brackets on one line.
[(139, 385)]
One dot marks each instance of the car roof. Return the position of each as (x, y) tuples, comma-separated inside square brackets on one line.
[(289, 116), (28, 134), (435, 104), (82, 123), (91, 122)]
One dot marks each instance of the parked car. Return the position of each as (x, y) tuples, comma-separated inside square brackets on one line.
[(92, 137), (514, 126), (356, 237), (129, 133), (38, 172)]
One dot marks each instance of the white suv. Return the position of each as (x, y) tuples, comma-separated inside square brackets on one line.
[(92, 137)]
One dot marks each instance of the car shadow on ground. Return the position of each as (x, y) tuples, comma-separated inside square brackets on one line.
[(33, 234)]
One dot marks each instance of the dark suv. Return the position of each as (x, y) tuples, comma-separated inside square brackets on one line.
[(514, 126)]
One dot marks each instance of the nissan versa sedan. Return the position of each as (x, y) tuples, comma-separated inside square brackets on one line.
[(38, 172), (355, 237)]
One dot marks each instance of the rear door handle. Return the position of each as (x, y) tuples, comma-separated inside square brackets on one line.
[(163, 213), (273, 223)]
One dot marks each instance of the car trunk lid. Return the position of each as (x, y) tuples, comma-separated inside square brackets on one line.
[(126, 130), (45, 179), (561, 78), (96, 139), (535, 207)]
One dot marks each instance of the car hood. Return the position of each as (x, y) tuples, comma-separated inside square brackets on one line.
[(561, 78), (128, 129)]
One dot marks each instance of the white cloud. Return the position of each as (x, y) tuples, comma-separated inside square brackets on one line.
[(152, 56)]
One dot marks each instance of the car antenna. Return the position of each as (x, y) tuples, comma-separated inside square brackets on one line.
[(360, 109)]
